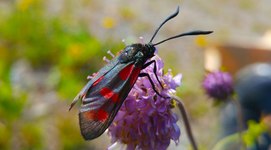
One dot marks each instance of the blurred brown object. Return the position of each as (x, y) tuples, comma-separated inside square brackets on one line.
[(234, 57)]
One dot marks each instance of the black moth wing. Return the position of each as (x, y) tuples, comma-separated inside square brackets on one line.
[(102, 101), (108, 67)]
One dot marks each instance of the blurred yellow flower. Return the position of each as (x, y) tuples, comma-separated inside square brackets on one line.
[(200, 41), (108, 22), (74, 50), (24, 4), (126, 13)]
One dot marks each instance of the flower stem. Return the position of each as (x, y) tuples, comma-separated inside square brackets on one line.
[(186, 122)]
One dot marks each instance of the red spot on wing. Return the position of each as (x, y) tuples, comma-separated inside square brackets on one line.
[(109, 94), (89, 115), (134, 75), (106, 93), (115, 97), (101, 115), (97, 81), (125, 73)]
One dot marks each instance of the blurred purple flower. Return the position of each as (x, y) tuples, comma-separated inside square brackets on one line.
[(145, 120), (218, 85)]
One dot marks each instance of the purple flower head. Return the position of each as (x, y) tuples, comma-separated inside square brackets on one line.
[(145, 120), (218, 85)]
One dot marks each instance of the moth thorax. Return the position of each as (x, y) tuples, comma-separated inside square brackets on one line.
[(150, 49)]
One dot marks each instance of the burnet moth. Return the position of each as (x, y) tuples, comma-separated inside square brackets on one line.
[(103, 95)]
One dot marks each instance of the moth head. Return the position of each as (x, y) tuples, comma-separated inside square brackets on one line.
[(129, 52)]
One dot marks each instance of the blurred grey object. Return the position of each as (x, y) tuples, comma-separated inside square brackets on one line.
[(253, 89), (253, 86)]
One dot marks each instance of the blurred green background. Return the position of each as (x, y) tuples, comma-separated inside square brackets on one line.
[(48, 48)]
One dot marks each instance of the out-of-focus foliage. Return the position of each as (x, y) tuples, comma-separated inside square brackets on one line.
[(255, 130), (65, 53), (257, 136)]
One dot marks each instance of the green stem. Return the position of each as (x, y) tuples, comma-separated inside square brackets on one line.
[(186, 122)]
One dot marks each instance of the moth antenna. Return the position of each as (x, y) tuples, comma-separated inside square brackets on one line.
[(105, 59), (166, 20), (184, 34), (110, 53)]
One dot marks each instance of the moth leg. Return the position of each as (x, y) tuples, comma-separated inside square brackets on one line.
[(152, 84), (154, 70)]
